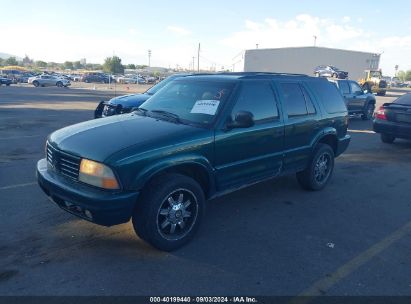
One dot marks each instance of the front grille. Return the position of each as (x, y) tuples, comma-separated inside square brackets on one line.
[(383, 84), (62, 162)]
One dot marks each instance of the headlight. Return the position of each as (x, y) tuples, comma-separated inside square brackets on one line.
[(97, 174)]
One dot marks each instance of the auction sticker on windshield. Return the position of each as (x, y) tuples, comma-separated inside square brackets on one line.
[(205, 107)]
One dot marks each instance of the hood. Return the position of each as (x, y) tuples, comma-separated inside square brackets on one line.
[(129, 101), (100, 138)]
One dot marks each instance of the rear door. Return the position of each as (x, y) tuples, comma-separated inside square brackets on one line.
[(345, 90), (301, 120), (245, 155)]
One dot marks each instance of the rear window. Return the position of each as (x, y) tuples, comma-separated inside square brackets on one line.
[(404, 99), (330, 96)]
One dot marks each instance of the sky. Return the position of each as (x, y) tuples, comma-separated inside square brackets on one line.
[(70, 30)]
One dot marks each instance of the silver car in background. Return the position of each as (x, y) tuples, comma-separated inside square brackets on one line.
[(49, 80)]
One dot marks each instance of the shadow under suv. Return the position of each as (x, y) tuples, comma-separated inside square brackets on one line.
[(198, 138)]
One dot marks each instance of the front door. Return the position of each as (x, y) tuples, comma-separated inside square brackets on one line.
[(245, 155), (357, 97)]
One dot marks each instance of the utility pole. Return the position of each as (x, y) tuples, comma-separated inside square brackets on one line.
[(149, 58), (256, 45), (315, 40), (193, 64), (198, 58)]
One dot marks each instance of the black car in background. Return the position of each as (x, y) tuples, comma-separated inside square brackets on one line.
[(393, 120), (5, 81), (124, 104), (330, 71), (96, 77), (356, 99)]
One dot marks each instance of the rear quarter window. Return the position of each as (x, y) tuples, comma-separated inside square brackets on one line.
[(329, 95)]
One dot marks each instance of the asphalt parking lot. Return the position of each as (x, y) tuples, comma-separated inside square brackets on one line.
[(352, 238)]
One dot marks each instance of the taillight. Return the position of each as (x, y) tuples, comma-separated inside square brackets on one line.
[(380, 114)]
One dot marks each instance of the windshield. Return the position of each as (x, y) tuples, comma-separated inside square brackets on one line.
[(375, 74), (198, 102), (161, 84)]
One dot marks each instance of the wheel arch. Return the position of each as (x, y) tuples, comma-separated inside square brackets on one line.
[(198, 170), (328, 137)]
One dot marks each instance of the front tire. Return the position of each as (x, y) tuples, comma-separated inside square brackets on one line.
[(367, 115), (367, 87), (170, 211), (36, 84), (59, 84), (318, 173), (388, 139)]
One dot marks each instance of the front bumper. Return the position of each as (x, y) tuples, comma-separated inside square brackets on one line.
[(396, 129), (343, 144), (102, 207)]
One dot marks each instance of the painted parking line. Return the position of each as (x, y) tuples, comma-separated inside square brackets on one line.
[(18, 137), (323, 285), (362, 131), (18, 186)]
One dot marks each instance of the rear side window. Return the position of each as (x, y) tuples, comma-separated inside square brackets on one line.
[(404, 99), (344, 88), (257, 98), (297, 100), (329, 95)]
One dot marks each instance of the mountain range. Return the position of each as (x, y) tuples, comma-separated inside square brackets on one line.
[(5, 56)]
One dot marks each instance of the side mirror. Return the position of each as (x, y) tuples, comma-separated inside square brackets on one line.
[(243, 119)]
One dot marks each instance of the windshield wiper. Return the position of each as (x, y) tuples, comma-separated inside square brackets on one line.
[(167, 114), (141, 110)]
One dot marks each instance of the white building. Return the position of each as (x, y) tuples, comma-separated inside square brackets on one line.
[(303, 60)]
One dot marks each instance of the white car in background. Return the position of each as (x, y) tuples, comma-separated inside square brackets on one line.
[(131, 79), (49, 80)]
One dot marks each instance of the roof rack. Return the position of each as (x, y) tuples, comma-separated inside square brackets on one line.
[(260, 73)]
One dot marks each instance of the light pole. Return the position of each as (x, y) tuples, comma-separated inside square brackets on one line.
[(315, 40), (149, 58)]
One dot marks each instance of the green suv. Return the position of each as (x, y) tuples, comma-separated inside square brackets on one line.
[(200, 137)]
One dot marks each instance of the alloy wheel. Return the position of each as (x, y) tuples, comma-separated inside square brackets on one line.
[(177, 214)]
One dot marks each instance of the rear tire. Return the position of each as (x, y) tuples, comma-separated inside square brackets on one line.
[(367, 115), (169, 212), (388, 139), (319, 171), (59, 84)]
